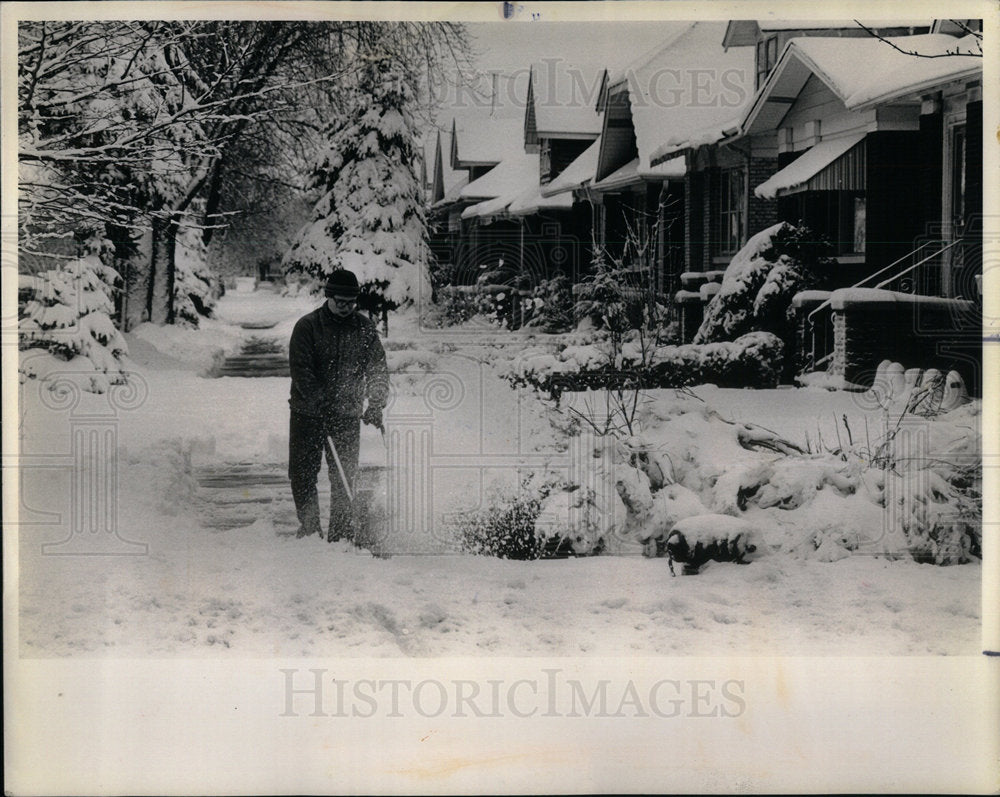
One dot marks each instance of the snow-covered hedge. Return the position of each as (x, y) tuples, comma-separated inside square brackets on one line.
[(752, 360)]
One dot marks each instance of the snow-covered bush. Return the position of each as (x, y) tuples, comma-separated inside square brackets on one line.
[(753, 360), (570, 522), (606, 299), (66, 314), (550, 307), (505, 528), (759, 284), (454, 306), (650, 516)]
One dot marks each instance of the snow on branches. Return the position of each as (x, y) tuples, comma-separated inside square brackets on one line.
[(68, 316), (369, 218)]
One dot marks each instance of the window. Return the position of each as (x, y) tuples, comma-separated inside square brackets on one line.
[(731, 217), (545, 161), (839, 216), (767, 57)]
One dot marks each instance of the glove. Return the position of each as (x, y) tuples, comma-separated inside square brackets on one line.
[(373, 416)]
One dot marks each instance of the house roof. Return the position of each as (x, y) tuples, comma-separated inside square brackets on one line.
[(580, 172), (743, 32), (513, 175), (454, 193), (917, 74), (556, 109), (443, 178), (613, 78), (691, 86), (484, 141), (859, 71)]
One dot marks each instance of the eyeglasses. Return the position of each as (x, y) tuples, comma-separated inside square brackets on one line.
[(345, 303)]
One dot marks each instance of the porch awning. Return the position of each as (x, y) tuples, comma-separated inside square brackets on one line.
[(633, 173), (626, 175), (532, 202), (489, 207), (834, 165)]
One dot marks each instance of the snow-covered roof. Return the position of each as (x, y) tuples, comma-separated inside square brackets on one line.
[(454, 193), (556, 104), (532, 201), (625, 175), (861, 71), (614, 77), (807, 166), (443, 177), (580, 172), (552, 120), (488, 207), (671, 98), (917, 74), (485, 141), (518, 193), (515, 174), (631, 173), (743, 32)]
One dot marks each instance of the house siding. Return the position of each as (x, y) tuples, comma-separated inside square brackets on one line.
[(761, 213)]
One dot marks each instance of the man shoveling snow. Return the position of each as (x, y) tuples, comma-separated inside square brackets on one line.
[(337, 364)]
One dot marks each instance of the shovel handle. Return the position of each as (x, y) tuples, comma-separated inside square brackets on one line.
[(340, 469)]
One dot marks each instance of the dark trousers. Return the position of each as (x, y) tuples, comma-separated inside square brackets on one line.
[(307, 439)]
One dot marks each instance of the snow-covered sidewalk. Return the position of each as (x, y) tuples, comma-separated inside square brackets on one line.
[(251, 591)]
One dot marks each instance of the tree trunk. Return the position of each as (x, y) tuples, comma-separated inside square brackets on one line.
[(159, 301)]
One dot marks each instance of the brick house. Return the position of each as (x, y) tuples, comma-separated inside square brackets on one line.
[(880, 150)]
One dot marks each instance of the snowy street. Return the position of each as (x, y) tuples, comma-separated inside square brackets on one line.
[(191, 587)]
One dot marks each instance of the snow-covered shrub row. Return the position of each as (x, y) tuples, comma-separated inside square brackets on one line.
[(65, 316), (455, 305), (752, 360), (494, 305), (923, 501)]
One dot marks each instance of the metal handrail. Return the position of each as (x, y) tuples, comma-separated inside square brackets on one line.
[(919, 263), (860, 283)]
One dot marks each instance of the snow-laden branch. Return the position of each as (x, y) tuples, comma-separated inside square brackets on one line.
[(949, 53)]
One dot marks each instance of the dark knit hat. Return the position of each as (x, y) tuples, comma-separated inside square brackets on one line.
[(341, 283)]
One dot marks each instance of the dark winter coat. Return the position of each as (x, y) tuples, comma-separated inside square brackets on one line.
[(336, 364)]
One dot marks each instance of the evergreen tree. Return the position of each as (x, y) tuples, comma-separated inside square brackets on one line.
[(66, 314), (369, 218)]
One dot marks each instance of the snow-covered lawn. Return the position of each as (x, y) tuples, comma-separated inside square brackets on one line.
[(251, 591)]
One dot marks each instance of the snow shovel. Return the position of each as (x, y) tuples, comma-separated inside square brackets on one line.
[(362, 534), (340, 470)]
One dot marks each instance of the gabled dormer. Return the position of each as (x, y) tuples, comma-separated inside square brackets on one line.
[(556, 127)]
